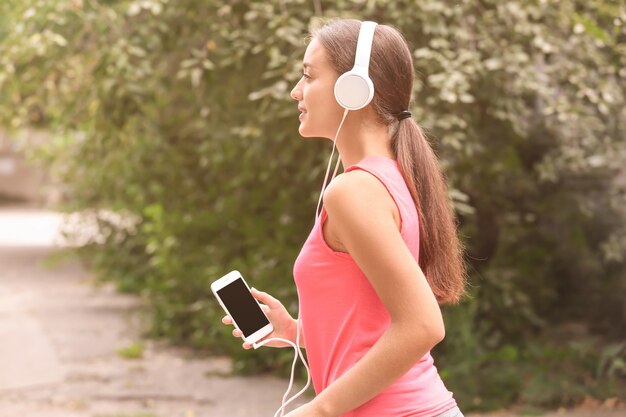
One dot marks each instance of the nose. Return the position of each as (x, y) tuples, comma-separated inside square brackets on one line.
[(296, 93)]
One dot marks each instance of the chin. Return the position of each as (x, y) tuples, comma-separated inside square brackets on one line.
[(308, 133), (304, 132)]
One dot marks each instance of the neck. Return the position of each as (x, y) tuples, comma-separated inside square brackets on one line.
[(359, 139)]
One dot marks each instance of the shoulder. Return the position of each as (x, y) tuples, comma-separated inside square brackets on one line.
[(357, 192)]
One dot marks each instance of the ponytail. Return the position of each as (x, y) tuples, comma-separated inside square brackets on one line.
[(441, 252)]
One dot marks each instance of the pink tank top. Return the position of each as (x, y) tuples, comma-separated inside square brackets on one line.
[(342, 316)]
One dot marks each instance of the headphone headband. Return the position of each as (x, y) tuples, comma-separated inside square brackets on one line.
[(364, 45)]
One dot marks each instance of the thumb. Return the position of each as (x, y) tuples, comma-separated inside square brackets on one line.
[(265, 297)]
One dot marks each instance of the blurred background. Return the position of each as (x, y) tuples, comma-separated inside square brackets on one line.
[(166, 130)]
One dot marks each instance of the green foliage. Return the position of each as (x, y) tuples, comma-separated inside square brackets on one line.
[(547, 372), (174, 134), (132, 351)]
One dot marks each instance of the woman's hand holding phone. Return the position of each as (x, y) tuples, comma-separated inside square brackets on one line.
[(284, 325)]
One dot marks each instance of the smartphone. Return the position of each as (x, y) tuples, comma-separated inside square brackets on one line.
[(235, 297)]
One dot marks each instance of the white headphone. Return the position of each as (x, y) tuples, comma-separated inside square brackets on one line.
[(354, 89)]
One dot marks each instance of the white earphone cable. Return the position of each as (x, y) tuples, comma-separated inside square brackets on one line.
[(298, 353), (296, 346), (317, 209)]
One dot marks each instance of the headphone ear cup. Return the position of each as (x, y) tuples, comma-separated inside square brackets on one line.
[(353, 90)]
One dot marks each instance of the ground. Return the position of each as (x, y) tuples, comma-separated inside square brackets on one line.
[(61, 335)]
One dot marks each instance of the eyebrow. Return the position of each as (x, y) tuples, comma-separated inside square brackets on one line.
[(308, 65)]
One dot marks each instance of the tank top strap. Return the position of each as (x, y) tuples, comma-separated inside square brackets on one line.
[(387, 171), (383, 168)]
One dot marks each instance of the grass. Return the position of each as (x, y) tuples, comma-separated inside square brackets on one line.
[(132, 351)]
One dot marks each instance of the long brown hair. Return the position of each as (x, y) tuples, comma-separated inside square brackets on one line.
[(391, 70)]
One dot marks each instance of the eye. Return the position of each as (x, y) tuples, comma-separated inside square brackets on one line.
[(307, 76)]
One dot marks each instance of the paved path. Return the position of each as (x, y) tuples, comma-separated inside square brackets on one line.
[(59, 335)]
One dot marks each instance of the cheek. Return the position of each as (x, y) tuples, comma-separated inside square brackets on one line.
[(323, 111), (320, 101)]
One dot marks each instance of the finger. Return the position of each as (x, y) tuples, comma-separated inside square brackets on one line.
[(264, 307), (236, 333), (227, 320), (246, 345), (265, 297)]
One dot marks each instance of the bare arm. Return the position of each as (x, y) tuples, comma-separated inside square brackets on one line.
[(357, 203)]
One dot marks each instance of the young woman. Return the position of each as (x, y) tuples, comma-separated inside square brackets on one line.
[(384, 251)]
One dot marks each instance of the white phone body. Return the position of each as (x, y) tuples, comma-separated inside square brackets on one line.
[(235, 297)]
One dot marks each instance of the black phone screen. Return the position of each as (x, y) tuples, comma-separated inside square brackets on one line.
[(243, 308)]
